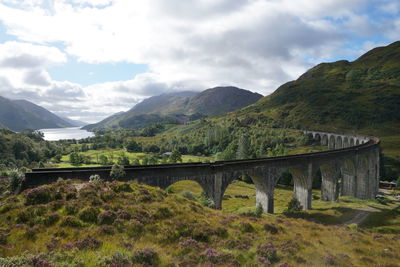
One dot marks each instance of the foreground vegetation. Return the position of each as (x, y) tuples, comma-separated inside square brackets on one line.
[(119, 224)]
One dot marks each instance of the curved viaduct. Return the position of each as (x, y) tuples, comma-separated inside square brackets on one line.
[(352, 162)]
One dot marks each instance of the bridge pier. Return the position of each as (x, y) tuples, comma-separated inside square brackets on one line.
[(302, 179), (330, 176)]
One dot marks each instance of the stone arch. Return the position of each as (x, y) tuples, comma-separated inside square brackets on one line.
[(349, 182), (357, 142), (338, 142), (346, 142), (191, 186), (324, 140), (352, 141), (265, 180), (331, 142)]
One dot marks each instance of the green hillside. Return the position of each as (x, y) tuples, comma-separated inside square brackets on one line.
[(364, 94), (361, 96), (125, 224), (19, 115)]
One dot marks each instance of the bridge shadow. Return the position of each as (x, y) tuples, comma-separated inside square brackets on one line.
[(326, 216)]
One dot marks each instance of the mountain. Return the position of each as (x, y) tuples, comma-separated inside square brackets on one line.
[(363, 94), (180, 107), (76, 123), (18, 115)]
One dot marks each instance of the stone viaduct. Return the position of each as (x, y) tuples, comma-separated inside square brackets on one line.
[(350, 168)]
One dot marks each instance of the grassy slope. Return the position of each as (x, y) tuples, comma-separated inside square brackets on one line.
[(361, 96), (240, 198), (178, 230)]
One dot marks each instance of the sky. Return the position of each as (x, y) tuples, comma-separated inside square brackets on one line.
[(88, 59)]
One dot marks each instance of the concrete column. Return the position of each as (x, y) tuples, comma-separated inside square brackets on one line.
[(331, 141), (363, 182), (349, 172), (265, 180), (217, 194), (302, 179), (330, 176), (265, 198)]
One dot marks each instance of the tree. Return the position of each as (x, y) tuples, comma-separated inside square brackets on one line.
[(123, 160), (133, 146), (175, 157), (398, 182), (243, 151), (117, 172), (136, 162), (103, 160), (75, 158), (294, 206)]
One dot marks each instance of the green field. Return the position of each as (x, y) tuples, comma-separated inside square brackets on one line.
[(114, 154), (239, 198)]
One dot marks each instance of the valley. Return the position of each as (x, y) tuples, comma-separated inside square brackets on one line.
[(327, 210)]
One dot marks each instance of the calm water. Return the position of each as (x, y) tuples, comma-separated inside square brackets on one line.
[(65, 133)]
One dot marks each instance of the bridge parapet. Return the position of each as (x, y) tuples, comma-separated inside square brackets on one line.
[(350, 168)]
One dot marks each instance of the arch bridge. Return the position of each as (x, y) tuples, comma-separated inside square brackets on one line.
[(352, 162)]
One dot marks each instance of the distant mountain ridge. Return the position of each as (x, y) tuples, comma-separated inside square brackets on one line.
[(19, 115), (179, 107), (76, 123)]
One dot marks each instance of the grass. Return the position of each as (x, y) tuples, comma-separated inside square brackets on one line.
[(240, 198), (114, 154), (176, 231)]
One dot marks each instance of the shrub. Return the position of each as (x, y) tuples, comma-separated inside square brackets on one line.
[(39, 210), (95, 179), (117, 172), (267, 253), (24, 216), (107, 195), (106, 217), (56, 205), (106, 230), (30, 233), (134, 228), (70, 221), (85, 244), (206, 201), (246, 227), (123, 215), (188, 194), (163, 213), (51, 219), (294, 206), (121, 187), (146, 256), (259, 211), (38, 195), (39, 261), (89, 214), (3, 239), (271, 228), (71, 209), (211, 255), (16, 179), (117, 259)]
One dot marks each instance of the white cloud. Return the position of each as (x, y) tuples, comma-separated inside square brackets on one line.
[(253, 44)]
